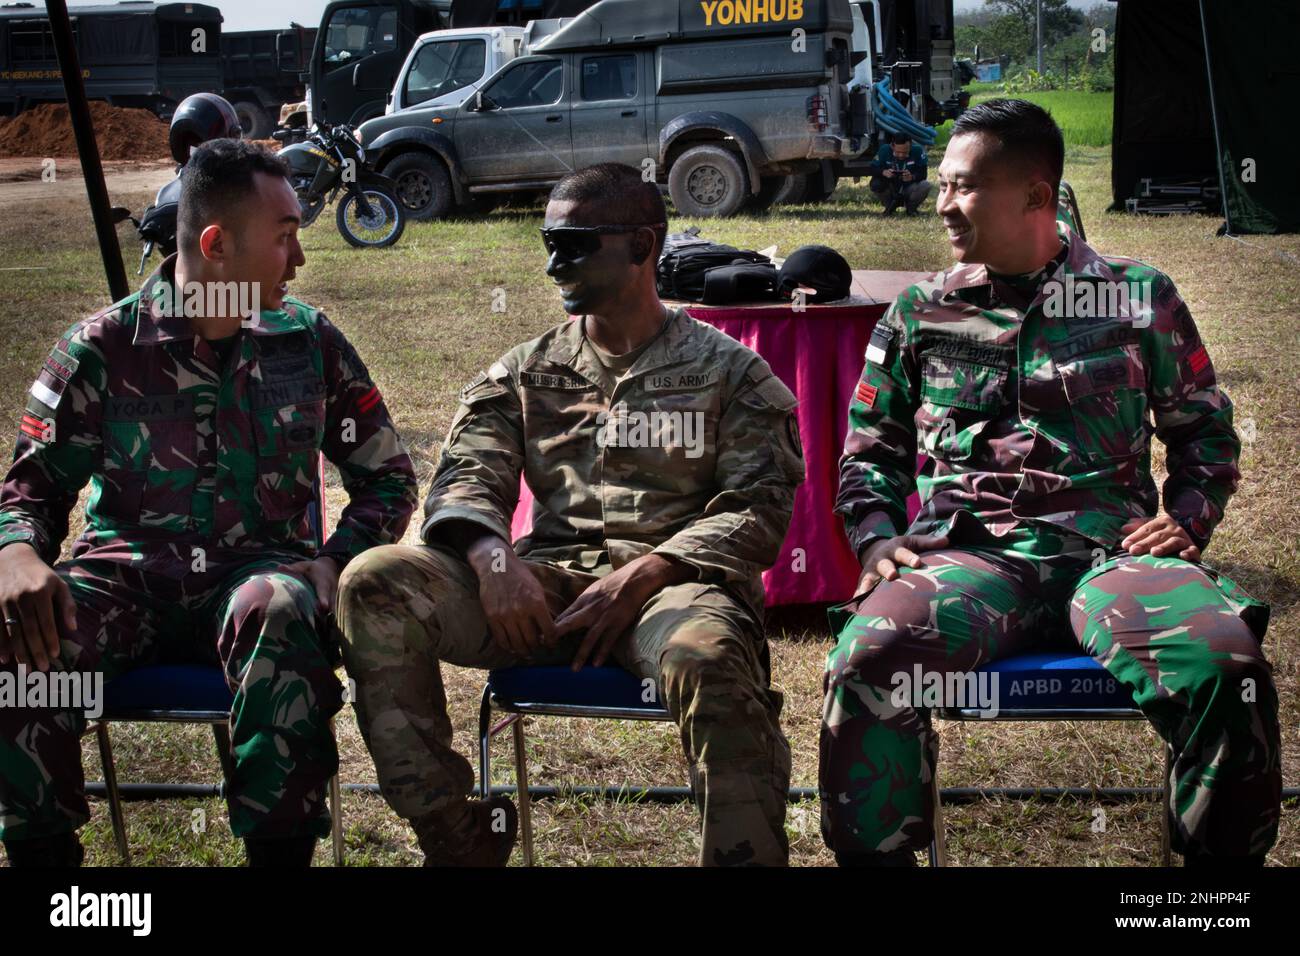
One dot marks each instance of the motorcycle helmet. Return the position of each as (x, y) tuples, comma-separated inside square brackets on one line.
[(199, 118), (819, 268)]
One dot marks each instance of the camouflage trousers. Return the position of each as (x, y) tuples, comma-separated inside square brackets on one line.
[(404, 610), (1184, 639), (260, 626)]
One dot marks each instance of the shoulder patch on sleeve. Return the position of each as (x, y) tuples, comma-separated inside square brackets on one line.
[(53, 379), (480, 388), (769, 390), (881, 344)]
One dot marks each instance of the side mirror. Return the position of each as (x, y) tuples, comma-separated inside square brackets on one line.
[(119, 214), (482, 103)]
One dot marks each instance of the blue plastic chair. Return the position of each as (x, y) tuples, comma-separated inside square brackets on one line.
[(600, 692), (1052, 685), (189, 694)]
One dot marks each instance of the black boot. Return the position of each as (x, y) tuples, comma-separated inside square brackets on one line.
[(293, 853), (893, 858), (60, 850)]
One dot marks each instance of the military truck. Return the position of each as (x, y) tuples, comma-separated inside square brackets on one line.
[(260, 73), (361, 45), (719, 100), (145, 55)]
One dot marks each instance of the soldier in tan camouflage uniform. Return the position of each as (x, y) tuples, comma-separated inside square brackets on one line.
[(664, 459)]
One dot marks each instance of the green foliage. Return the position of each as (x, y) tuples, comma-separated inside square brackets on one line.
[(1059, 19)]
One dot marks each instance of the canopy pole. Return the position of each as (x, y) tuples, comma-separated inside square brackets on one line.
[(1214, 120), (91, 168)]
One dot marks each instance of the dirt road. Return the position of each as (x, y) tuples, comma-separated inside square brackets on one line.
[(24, 181)]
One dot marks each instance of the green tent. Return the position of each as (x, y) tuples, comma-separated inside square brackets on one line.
[(1204, 94)]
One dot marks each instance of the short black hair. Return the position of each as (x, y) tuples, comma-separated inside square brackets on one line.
[(1026, 131), (219, 176), (616, 194), (898, 139)]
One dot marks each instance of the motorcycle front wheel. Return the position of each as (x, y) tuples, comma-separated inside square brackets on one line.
[(382, 227)]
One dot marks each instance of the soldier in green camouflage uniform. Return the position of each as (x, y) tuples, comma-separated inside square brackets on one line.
[(201, 455), (664, 477), (1034, 398)]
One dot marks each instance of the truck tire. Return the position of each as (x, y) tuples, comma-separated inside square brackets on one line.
[(253, 119), (708, 181), (423, 184)]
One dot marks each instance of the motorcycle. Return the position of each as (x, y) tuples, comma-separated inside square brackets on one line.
[(330, 161), (157, 224)]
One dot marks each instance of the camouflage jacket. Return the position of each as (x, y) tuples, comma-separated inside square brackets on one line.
[(181, 454), (1042, 412), (694, 456)]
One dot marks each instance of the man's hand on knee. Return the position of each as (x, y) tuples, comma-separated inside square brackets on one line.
[(323, 575), (1160, 537), (32, 598), (610, 606), (883, 558), (514, 603)]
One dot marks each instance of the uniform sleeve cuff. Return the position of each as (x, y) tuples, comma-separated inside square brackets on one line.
[(460, 513)]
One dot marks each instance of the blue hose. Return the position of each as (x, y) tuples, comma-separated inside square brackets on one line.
[(893, 117)]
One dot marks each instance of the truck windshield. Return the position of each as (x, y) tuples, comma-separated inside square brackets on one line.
[(357, 32), (444, 66)]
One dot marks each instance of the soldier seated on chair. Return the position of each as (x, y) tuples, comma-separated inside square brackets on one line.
[(1032, 374), (197, 409), (664, 458)]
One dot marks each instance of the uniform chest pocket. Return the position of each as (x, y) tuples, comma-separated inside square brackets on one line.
[(958, 400), (1106, 392), (288, 443), (150, 462), (665, 441)]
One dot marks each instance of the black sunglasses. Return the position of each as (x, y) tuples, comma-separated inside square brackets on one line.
[(574, 242)]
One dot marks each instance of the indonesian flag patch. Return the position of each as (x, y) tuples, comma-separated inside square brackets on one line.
[(866, 394), (47, 390)]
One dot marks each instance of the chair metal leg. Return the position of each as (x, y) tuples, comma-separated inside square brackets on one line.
[(939, 843), (1166, 852), (221, 733), (485, 744), (114, 796), (336, 819), (525, 805), (336, 809)]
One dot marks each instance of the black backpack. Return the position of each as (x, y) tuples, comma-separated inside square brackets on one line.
[(697, 270)]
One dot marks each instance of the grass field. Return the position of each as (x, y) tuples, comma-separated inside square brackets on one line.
[(421, 316), (1085, 118)]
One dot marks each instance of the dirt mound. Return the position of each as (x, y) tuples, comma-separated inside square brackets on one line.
[(120, 132)]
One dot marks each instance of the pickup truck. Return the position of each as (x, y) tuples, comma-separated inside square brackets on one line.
[(720, 100)]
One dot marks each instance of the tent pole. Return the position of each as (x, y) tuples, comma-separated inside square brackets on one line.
[(1214, 120), (91, 168)]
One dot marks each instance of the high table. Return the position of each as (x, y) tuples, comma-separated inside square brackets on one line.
[(818, 354)]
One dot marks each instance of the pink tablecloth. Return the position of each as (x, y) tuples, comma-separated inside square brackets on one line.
[(818, 353)]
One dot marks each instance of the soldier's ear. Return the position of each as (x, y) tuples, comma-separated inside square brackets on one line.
[(1040, 193), (212, 243), (643, 243)]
